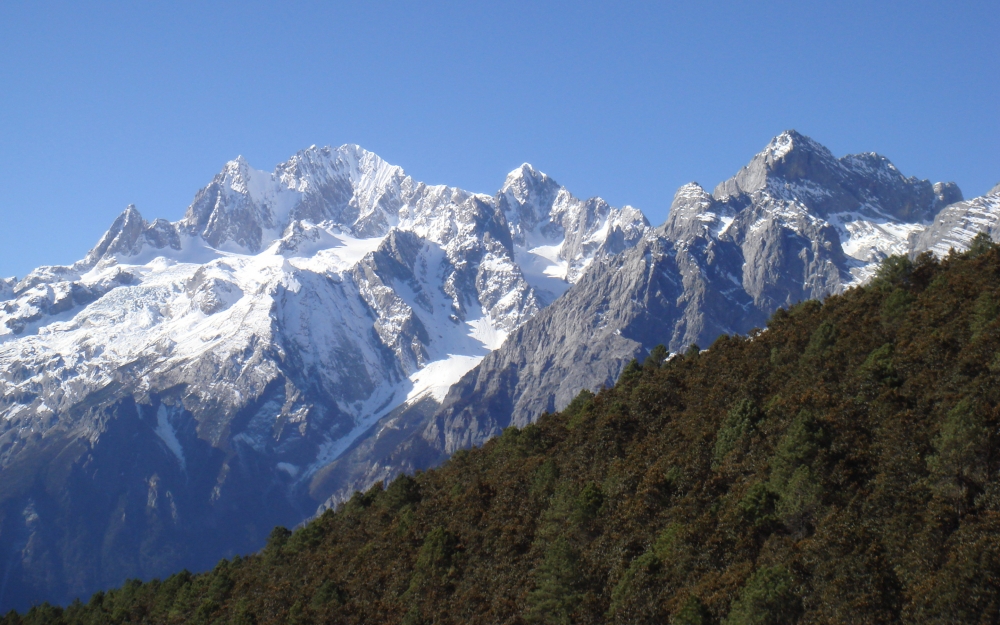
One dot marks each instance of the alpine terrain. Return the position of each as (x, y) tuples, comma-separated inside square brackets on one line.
[(839, 467), (172, 397), (301, 334), (796, 223)]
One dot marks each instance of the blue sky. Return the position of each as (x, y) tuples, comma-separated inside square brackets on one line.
[(109, 104)]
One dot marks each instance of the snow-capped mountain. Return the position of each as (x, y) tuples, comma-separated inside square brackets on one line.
[(245, 346), (305, 332), (556, 236), (795, 223)]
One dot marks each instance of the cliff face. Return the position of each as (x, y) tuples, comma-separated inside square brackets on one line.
[(840, 466), (171, 397), (796, 223), (303, 333)]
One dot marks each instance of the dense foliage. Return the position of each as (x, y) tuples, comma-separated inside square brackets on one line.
[(839, 467)]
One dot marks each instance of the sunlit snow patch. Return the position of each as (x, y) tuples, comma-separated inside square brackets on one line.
[(437, 377), (543, 269), (328, 249), (723, 225)]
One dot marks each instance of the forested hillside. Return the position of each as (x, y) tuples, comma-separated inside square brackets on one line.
[(840, 466)]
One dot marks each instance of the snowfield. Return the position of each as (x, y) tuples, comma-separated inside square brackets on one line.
[(336, 278)]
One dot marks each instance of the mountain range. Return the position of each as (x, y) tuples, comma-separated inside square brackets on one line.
[(304, 333), (839, 467)]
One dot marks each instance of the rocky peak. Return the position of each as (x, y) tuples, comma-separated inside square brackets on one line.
[(526, 199), (626, 227), (247, 209), (231, 211), (525, 182), (237, 173), (124, 236), (791, 147), (349, 186), (876, 184), (794, 168), (130, 233), (7, 288), (694, 212), (948, 193), (790, 157), (995, 190)]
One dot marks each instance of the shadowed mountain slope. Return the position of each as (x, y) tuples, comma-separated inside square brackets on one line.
[(307, 332), (168, 399), (840, 466), (796, 223)]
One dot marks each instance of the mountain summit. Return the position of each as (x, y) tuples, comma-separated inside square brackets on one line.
[(304, 332), (838, 468), (796, 223), (194, 377)]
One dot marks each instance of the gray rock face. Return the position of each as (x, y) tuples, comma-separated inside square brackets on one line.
[(526, 199), (171, 397), (556, 236), (304, 332), (246, 208), (226, 212), (130, 233), (606, 318), (947, 193), (794, 167), (956, 225), (7, 288), (796, 223)]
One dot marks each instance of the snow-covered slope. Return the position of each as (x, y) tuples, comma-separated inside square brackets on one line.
[(556, 236), (336, 260), (955, 226), (188, 385), (261, 334), (795, 223)]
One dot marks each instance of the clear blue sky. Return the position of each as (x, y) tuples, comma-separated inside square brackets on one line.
[(102, 105)]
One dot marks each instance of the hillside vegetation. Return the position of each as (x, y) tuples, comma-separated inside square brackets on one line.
[(840, 466)]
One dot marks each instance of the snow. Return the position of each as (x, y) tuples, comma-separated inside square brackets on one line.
[(554, 266), (543, 269), (165, 430), (781, 145), (226, 321), (194, 250), (288, 468), (484, 332), (865, 237), (868, 237), (330, 251), (312, 304), (962, 221), (437, 377), (723, 226), (265, 188)]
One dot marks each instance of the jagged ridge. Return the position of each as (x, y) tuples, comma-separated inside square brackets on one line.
[(244, 346), (795, 224), (839, 467)]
